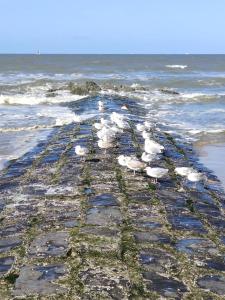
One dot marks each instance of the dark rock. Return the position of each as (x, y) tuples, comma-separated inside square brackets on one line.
[(197, 246), (167, 287), (156, 260), (151, 237), (8, 244), (50, 244), (38, 280), (110, 283), (216, 264), (213, 283), (104, 216), (100, 231), (103, 200), (6, 264), (169, 92), (84, 89), (147, 224), (186, 222)]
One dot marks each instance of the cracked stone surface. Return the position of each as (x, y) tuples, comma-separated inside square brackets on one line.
[(75, 229), (39, 280)]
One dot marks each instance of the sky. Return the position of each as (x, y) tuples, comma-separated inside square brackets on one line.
[(116, 26)]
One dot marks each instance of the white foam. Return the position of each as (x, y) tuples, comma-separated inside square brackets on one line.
[(177, 66), (27, 128), (36, 99)]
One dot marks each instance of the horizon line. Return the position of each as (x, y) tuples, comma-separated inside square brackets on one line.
[(64, 53)]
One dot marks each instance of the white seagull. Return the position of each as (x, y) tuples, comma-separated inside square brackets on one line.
[(105, 144), (156, 172), (153, 147), (135, 164), (147, 157), (183, 171), (140, 127), (122, 160), (124, 107), (196, 176), (81, 151), (146, 135)]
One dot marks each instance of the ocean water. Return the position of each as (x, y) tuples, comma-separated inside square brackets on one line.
[(196, 113)]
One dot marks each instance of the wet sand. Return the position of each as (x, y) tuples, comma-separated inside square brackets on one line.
[(212, 156)]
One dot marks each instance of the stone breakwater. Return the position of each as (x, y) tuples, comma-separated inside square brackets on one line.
[(89, 229)]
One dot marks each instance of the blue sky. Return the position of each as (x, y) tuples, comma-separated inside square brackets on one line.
[(116, 26)]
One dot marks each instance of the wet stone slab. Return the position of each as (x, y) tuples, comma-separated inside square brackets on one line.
[(217, 263), (103, 216), (197, 246), (12, 230), (6, 264), (103, 200), (213, 283), (166, 287), (100, 231), (108, 283), (152, 237), (39, 280), (157, 260), (50, 244), (186, 222), (8, 244)]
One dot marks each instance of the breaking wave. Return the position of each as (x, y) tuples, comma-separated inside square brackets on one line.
[(177, 66)]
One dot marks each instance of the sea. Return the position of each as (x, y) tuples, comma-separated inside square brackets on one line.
[(183, 93)]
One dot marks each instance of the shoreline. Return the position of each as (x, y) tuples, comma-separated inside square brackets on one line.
[(90, 229)]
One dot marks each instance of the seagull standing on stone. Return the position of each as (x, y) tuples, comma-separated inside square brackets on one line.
[(184, 171), (153, 147), (148, 157), (101, 106), (156, 173), (105, 145), (124, 107), (135, 164), (81, 151), (122, 160), (140, 127)]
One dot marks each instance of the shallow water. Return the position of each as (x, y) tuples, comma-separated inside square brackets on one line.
[(212, 156), (197, 113)]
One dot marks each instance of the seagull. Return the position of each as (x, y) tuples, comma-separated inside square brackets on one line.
[(122, 160), (140, 127), (105, 133), (156, 172), (183, 171), (98, 126), (100, 106), (148, 125), (115, 117), (104, 144), (81, 151), (153, 147), (146, 135), (122, 124), (135, 164), (105, 122), (148, 157), (124, 107), (115, 129), (196, 176)]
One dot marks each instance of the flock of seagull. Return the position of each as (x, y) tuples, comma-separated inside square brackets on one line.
[(108, 132)]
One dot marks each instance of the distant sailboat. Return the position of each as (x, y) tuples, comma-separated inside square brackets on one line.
[(38, 52)]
